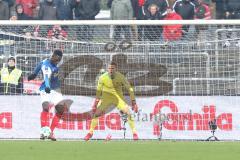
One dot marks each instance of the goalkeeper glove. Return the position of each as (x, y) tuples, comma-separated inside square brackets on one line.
[(47, 90), (32, 77), (94, 107), (134, 106)]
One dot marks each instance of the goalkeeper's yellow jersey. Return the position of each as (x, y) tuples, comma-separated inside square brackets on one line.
[(107, 85)]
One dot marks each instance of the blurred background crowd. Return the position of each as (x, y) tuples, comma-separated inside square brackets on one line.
[(119, 10), (139, 9)]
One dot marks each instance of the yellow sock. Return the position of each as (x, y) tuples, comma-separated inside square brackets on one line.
[(94, 123), (132, 124)]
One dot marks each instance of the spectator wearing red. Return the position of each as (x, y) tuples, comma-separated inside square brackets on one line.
[(57, 33), (141, 2), (28, 6), (202, 11), (172, 32)]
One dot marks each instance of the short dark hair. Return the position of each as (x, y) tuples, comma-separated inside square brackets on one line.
[(18, 6), (11, 58), (113, 63), (58, 52)]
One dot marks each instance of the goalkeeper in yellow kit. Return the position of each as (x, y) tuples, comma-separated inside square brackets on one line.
[(109, 92)]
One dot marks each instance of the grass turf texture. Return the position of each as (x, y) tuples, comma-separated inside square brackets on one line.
[(112, 150)]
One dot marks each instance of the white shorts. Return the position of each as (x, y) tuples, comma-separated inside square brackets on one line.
[(53, 97)]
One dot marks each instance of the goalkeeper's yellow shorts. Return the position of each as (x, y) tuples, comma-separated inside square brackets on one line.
[(107, 102)]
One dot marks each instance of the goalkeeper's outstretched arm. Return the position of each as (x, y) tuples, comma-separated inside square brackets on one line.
[(131, 93), (129, 88)]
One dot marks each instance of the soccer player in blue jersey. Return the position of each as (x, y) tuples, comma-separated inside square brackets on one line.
[(50, 90)]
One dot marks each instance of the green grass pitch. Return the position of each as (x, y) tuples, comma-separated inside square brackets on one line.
[(118, 150)]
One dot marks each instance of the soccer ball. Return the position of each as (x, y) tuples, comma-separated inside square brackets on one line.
[(45, 132)]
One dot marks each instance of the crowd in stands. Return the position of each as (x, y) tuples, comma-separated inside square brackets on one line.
[(138, 9), (88, 9), (49, 9), (123, 10)]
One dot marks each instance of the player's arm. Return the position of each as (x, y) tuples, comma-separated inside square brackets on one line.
[(98, 94), (35, 73), (131, 93), (47, 72), (129, 88)]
